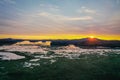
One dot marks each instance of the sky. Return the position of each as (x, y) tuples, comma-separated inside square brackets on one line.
[(60, 19)]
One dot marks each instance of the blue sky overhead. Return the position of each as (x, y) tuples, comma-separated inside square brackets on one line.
[(59, 17)]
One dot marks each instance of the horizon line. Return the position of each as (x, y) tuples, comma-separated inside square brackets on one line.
[(61, 36), (63, 39)]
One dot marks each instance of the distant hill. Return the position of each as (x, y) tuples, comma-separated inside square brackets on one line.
[(87, 42), (9, 41), (84, 42)]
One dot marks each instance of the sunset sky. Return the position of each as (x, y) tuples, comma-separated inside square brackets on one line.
[(60, 19)]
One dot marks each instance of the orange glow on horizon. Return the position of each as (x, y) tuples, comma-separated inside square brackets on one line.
[(92, 39)]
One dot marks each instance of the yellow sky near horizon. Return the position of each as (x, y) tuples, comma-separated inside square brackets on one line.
[(58, 36)]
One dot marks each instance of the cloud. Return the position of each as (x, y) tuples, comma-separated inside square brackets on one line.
[(50, 7), (42, 23), (86, 10), (118, 1), (10, 1), (64, 18)]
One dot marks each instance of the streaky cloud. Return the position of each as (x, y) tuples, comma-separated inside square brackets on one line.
[(64, 18)]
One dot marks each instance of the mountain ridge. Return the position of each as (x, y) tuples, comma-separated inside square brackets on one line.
[(89, 42)]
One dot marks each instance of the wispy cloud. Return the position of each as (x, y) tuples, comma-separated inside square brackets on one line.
[(10, 1), (118, 1), (86, 10), (64, 18), (50, 7)]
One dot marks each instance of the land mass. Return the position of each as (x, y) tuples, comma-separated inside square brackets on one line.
[(84, 42)]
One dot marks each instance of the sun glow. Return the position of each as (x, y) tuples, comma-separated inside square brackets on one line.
[(91, 37)]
